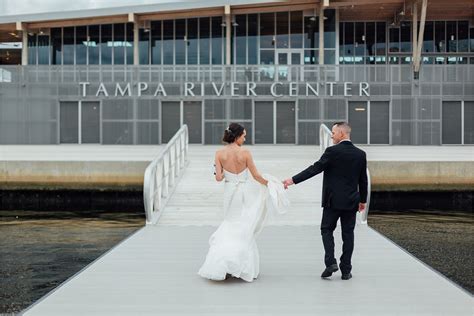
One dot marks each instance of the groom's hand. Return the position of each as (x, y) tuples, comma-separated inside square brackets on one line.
[(362, 207), (287, 183)]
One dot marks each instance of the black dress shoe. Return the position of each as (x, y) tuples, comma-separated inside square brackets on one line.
[(329, 271), (346, 276)]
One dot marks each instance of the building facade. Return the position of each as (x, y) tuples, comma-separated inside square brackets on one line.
[(280, 69)]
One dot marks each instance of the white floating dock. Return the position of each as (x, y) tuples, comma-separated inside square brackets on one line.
[(154, 272)]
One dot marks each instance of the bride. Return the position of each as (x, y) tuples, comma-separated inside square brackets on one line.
[(233, 250)]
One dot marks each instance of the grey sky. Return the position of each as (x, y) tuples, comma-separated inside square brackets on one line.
[(16, 7)]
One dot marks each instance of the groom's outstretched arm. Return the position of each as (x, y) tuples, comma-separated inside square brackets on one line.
[(318, 167)]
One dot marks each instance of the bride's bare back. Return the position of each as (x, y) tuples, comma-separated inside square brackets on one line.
[(235, 159)]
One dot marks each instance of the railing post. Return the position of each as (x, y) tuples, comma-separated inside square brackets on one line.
[(161, 175)]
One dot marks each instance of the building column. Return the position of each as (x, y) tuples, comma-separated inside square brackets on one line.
[(24, 48), (133, 18), (421, 33), (228, 29), (321, 35), (417, 43)]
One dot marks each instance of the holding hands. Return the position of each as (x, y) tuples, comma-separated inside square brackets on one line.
[(287, 183)]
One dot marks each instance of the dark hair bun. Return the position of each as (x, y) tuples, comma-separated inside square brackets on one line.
[(233, 132)]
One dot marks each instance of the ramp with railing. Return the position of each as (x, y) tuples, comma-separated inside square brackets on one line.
[(154, 271)]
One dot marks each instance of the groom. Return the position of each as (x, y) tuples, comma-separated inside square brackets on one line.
[(344, 193)]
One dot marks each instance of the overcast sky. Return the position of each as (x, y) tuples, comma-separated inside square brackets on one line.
[(14, 7)]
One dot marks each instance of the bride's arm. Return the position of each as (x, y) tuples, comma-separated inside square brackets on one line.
[(253, 169), (219, 173)]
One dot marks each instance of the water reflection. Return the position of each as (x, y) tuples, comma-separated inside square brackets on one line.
[(40, 250), (443, 240)]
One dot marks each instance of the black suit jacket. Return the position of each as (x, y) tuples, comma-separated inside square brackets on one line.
[(345, 176)]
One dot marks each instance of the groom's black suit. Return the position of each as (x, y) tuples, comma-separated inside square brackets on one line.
[(344, 187)]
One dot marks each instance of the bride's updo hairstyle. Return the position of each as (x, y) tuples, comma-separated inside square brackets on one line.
[(233, 132)]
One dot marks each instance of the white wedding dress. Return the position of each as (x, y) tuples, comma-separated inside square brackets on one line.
[(233, 249)]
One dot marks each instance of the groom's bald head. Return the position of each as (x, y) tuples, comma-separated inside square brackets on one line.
[(340, 131), (343, 127)]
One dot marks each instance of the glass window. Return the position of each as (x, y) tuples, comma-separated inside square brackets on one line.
[(296, 29), (81, 45), (329, 56), (471, 36), (282, 30), (118, 44), (267, 30), (267, 57), (240, 39), (43, 49), (380, 42), (463, 36), (216, 33), (93, 44), (311, 57), (359, 43), (341, 42), (68, 46), (168, 39), (32, 49), (451, 36), (56, 43), (252, 38), (311, 29), (144, 46), (204, 41), (405, 36), (349, 43), (106, 44), (394, 37), (370, 39), (428, 38), (330, 28), (440, 36), (155, 42), (192, 41), (180, 47), (129, 43)]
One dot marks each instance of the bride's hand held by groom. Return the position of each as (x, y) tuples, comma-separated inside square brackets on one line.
[(287, 183)]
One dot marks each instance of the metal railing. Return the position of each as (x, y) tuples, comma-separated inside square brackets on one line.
[(162, 173), (324, 142)]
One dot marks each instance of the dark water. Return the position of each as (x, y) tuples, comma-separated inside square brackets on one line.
[(40, 250), (443, 240)]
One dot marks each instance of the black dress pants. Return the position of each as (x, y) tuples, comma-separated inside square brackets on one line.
[(328, 225)]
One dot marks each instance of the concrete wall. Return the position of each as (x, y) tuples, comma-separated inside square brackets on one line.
[(128, 175)]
